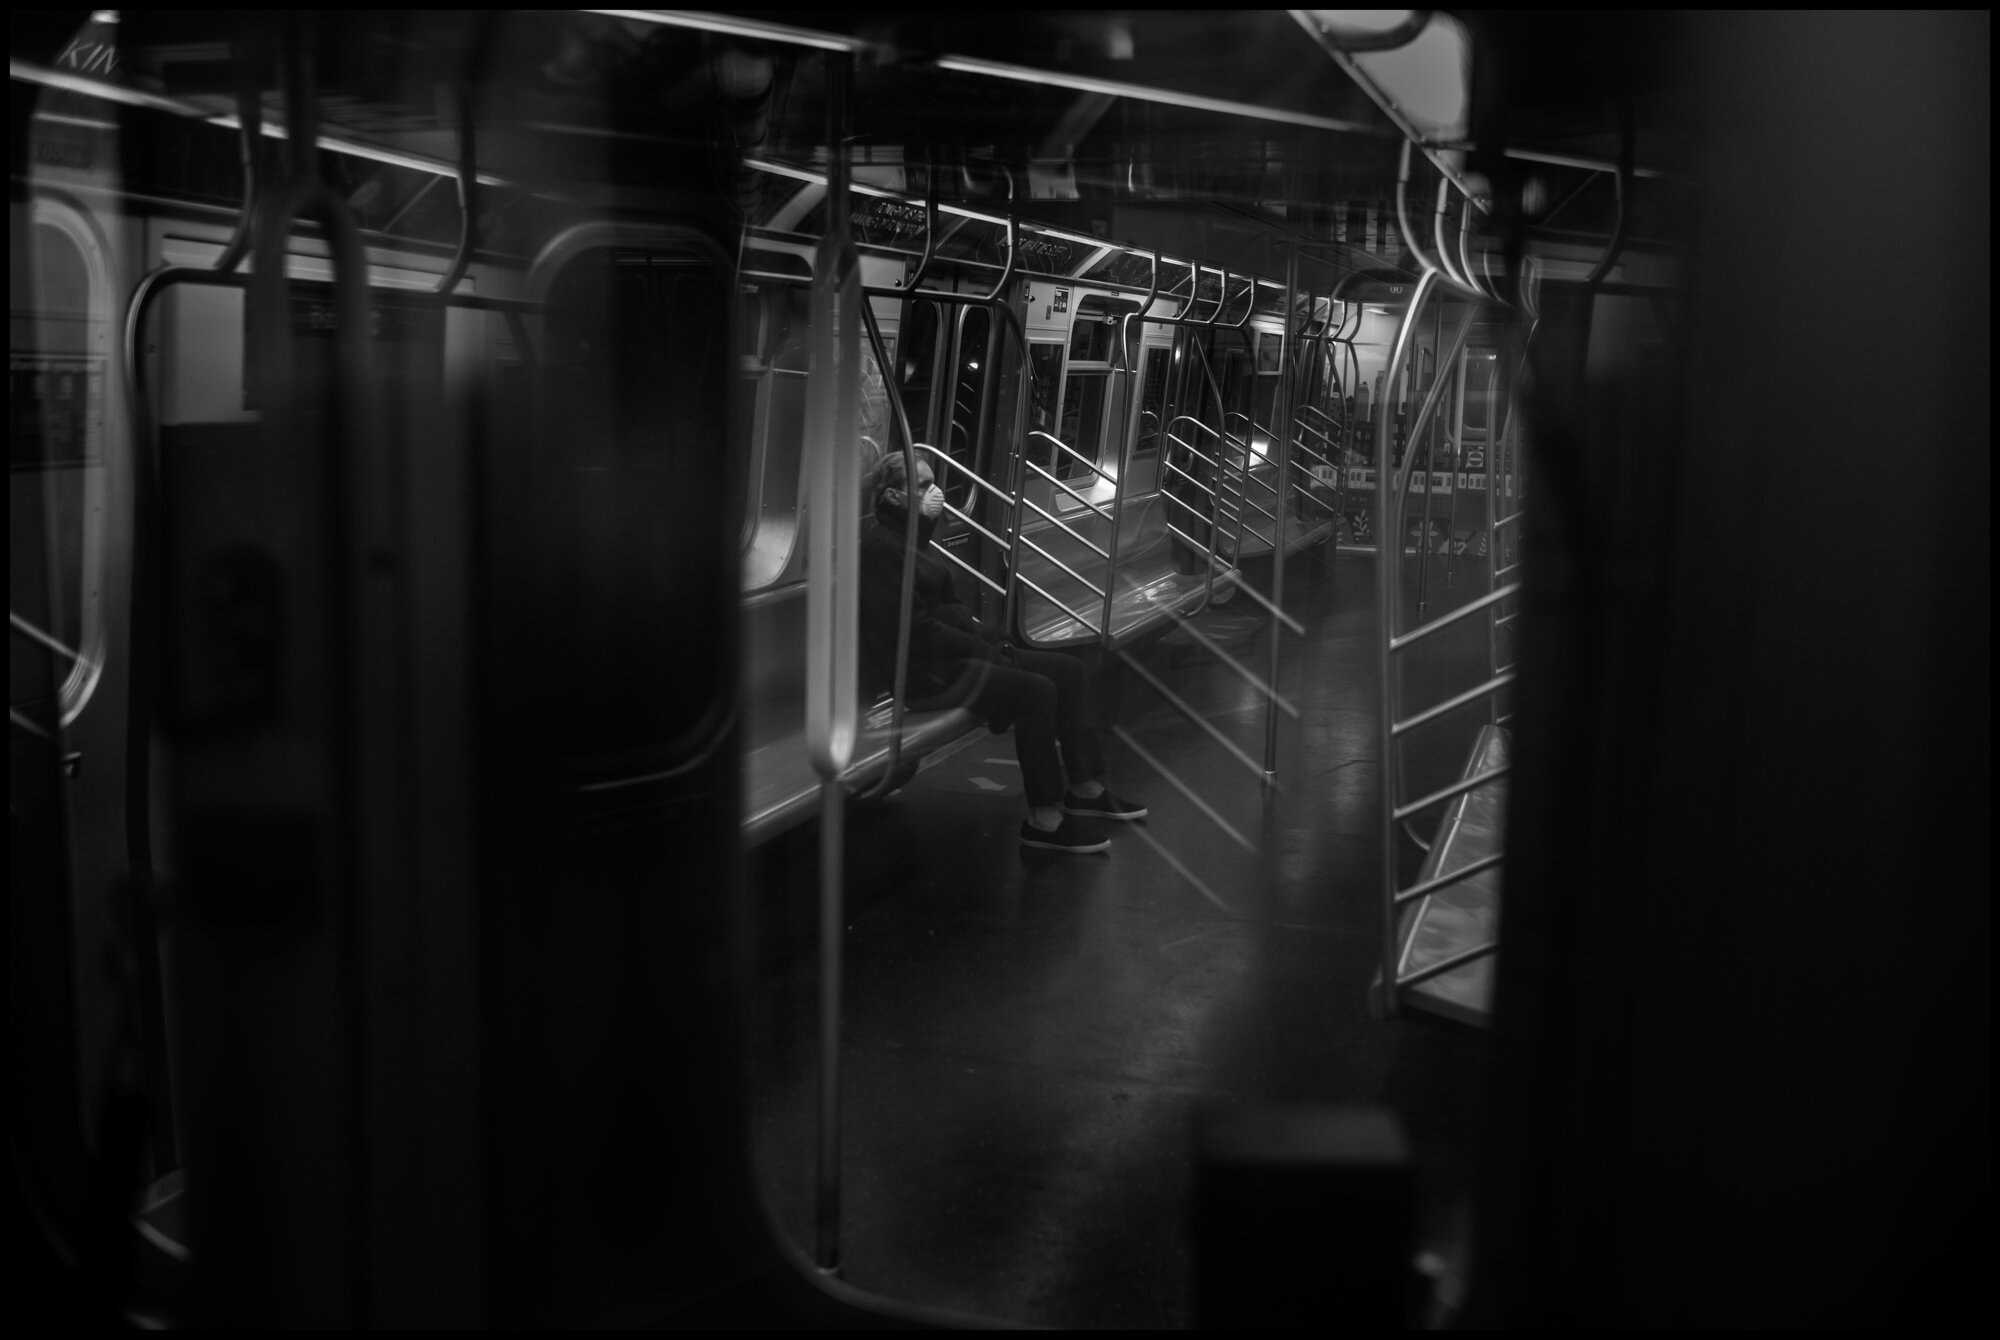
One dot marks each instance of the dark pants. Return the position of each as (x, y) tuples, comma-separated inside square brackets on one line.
[(1045, 695)]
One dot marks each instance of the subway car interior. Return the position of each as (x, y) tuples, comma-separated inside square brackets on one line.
[(1494, 505)]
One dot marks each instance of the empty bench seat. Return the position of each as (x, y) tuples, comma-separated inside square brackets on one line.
[(1150, 580)]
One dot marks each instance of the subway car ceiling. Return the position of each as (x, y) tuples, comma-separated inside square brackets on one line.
[(1117, 128)]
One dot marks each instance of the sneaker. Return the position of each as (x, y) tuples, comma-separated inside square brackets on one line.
[(1103, 806), (1066, 836)]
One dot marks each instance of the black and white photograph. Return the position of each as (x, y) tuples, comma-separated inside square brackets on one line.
[(1051, 669)]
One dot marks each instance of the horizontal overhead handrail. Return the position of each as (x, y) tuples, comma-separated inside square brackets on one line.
[(1430, 886), (1445, 965), (1507, 520), (1449, 705), (1502, 572), (1101, 513), (1462, 612), (1085, 461), (1456, 788)]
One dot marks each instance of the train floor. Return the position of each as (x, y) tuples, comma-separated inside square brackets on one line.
[(1026, 1034)]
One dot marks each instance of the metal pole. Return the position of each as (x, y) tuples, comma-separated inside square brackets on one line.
[(1492, 538), (832, 917), (1281, 416), (1388, 550), (833, 501)]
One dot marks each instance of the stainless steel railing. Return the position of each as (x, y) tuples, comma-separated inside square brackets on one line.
[(1396, 814)]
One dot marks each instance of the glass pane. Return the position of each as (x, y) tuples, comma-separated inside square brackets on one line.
[(1082, 422), (1045, 368), (1092, 337), (55, 412), (962, 436), (1270, 347), (916, 369), (1153, 402)]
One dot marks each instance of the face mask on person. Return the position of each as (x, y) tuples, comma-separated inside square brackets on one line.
[(930, 506)]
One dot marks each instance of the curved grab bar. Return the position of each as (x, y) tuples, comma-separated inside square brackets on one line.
[(1249, 308), (1424, 262), (468, 196), (1626, 145), (930, 233), (250, 127), (1437, 231), (1013, 249), (1065, 447), (1465, 254)]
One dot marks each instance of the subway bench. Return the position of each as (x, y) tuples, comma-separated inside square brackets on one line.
[(781, 787), (1466, 914)]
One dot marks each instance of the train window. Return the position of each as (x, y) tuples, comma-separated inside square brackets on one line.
[(1480, 385), (975, 330), (916, 367), (1082, 421), (1044, 384), (1092, 337), (777, 434), (56, 374), (634, 455), (875, 418), (772, 427), (1153, 402), (1270, 350)]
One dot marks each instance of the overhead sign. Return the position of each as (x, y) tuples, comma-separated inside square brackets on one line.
[(887, 223)]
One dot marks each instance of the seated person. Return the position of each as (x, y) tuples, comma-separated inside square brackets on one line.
[(956, 661)]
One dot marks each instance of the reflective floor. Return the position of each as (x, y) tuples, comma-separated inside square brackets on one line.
[(1025, 1033)]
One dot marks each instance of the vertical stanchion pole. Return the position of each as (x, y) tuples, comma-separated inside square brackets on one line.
[(1388, 553), (1495, 427), (832, 914), (833, 537), (1281, 421)]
